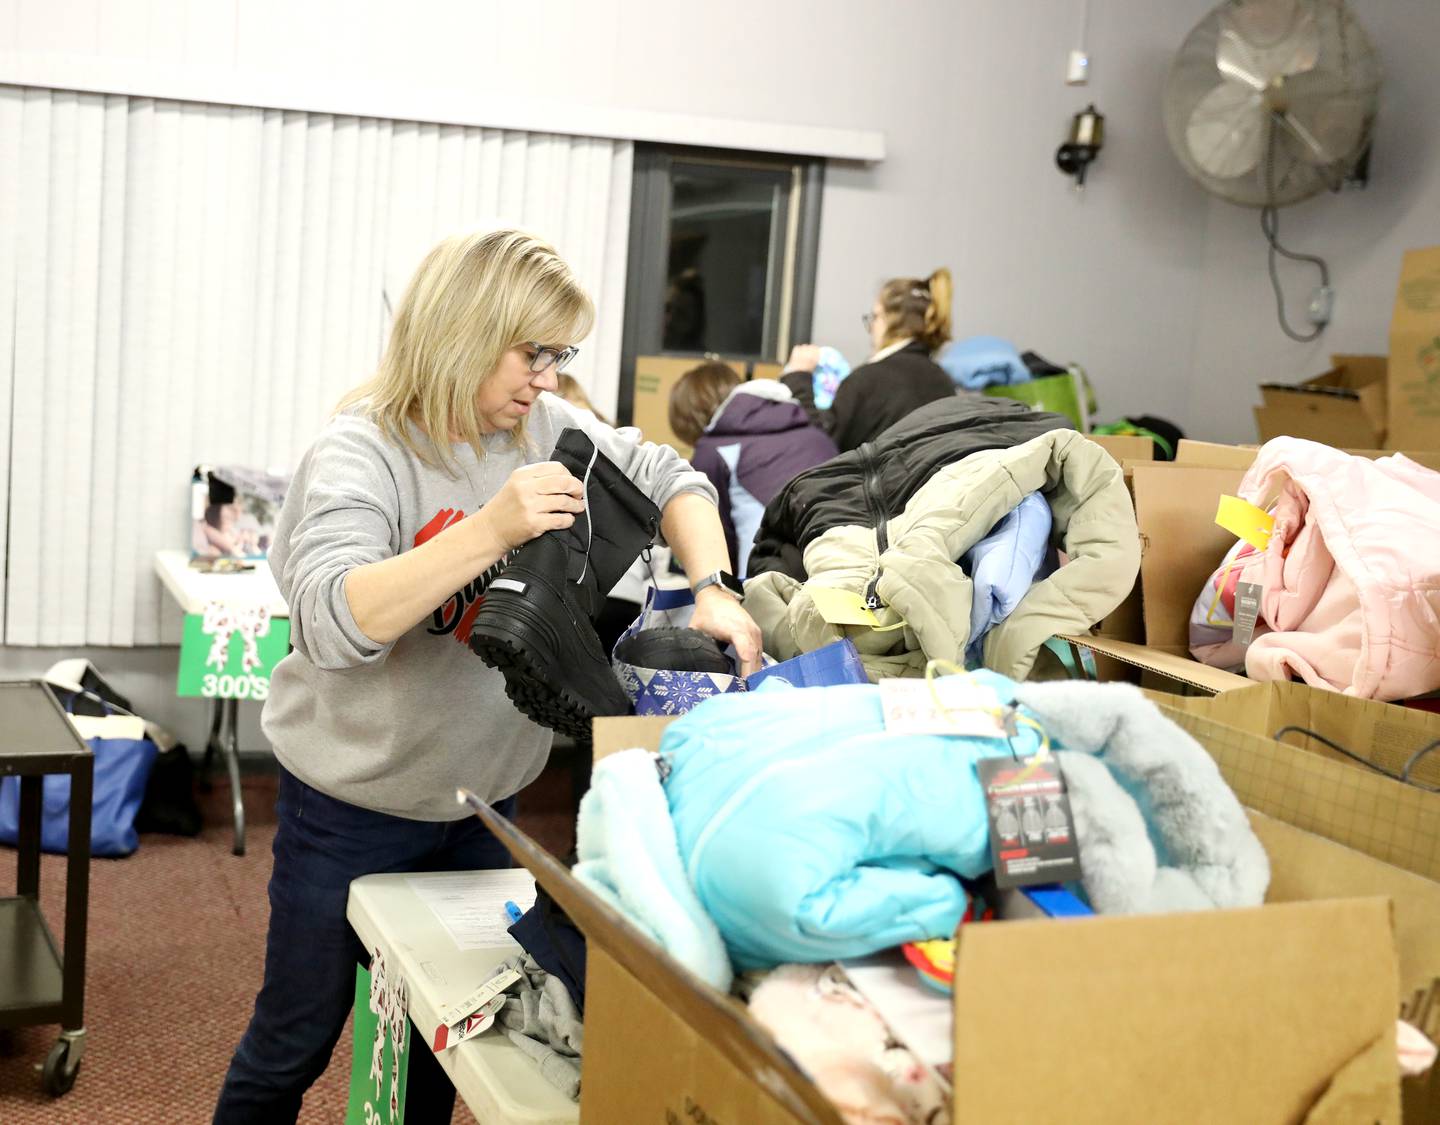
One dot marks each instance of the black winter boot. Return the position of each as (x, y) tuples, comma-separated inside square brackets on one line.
[(674, 650), (536, 624)]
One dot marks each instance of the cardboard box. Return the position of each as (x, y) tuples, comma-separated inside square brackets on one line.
[(1414, 372), (1396, 823), (1181, 545), (1213, 455), (1125, 447), (1383, 734), (1139, 1013), (655, 378), (1335, 802), (1345, 407)]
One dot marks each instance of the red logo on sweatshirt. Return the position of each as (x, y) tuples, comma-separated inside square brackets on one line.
[(457, 615)]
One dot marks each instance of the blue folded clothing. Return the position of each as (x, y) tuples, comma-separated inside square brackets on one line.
[(978, 362), (1004, 565)]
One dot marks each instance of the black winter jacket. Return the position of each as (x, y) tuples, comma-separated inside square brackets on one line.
[(875, 395), (871, 484)]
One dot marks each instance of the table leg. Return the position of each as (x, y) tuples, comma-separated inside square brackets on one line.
[(229, 746), (77, 899), (31, 801), (212, 743)]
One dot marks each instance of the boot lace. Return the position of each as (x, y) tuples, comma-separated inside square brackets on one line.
[(589, 520)]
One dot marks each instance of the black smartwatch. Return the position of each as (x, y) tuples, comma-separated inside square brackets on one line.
[(721, 578)]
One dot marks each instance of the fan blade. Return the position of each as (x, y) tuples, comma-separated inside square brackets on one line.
[(1262, 40), (1226, 131), (1329, 130), (1311, 149)]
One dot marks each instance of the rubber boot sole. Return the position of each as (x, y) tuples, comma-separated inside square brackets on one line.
[(510, 635)]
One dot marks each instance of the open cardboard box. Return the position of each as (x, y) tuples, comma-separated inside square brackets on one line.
[(1125, 447), (1244, 1015), (1181, 545), (1345, 407), (1180, 548), (1311, 807), (1369, 401), (1413, 373)]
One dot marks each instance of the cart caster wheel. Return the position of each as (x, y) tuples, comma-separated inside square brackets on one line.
[(59, 1074)]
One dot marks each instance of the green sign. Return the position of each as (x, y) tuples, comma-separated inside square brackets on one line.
[(228, 652), (377, 1073)]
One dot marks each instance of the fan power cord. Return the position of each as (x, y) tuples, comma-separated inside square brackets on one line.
[(1270, 225)]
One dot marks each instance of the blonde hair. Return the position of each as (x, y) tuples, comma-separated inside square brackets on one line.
[(918, 310), (568, 387), (474, 297), (696, 396)]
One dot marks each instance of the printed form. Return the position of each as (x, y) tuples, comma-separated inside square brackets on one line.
[(471, 904)]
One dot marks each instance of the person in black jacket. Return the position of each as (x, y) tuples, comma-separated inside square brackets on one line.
[(909, 322)]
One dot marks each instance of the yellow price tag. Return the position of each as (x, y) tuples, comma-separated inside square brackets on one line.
[(841, 607), (1245, 521)]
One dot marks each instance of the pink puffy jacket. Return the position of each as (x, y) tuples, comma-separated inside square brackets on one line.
[(1352, 572)]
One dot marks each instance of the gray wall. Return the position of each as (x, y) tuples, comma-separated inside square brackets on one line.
[(1159, 290)]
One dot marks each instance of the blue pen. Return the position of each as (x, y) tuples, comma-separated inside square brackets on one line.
[(513, 912)]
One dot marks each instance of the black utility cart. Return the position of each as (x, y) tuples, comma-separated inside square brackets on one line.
[(37, 984)]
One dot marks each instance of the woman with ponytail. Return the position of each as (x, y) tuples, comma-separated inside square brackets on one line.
[(909, 322)]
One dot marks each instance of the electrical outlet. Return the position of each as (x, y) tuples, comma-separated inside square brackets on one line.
[(1077, 69), (1322, 304)]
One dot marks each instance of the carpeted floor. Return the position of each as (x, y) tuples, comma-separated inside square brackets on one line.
[(177, 936)]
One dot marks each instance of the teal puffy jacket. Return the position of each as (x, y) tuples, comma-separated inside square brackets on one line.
[(809, 833)]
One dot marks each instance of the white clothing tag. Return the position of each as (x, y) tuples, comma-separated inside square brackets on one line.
[(950, 705), (471, 1026), (481, 996)]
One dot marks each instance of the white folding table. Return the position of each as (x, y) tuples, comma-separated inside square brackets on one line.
[(495, 1078), (193, 590)]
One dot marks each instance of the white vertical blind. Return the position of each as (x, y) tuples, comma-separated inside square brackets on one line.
[(183, 282)]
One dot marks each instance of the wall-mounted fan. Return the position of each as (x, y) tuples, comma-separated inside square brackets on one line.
[(1270, 102)]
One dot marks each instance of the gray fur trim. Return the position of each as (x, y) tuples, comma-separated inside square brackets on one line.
[(1218, 860)]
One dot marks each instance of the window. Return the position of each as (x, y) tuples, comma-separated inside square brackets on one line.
[(722, 256)]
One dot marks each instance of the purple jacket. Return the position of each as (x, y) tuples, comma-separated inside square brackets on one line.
[(756, 443)]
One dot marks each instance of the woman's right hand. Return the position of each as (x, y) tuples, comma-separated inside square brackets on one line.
[(803, 357), (536, 499)]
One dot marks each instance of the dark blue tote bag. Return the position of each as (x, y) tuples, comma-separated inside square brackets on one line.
[(122, 768)]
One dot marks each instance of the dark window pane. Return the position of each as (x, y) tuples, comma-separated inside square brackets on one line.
[(719, 260)]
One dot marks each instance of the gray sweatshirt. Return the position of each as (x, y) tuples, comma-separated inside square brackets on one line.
[(397, 727)]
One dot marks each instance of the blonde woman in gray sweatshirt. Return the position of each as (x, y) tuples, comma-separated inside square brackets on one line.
[(397, 517)]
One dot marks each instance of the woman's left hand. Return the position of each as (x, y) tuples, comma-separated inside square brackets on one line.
[(719, 615)]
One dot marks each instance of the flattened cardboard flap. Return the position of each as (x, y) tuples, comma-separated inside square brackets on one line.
[(1169, 664), (1305, 867), (1232, 1015)]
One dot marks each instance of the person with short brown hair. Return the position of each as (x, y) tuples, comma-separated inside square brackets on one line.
[(751, 439)]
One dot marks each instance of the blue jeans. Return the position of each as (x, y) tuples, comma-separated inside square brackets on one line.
[(311, 952)]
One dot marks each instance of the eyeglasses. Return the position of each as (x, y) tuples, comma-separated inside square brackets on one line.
[(546, 356), (868, 320)]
